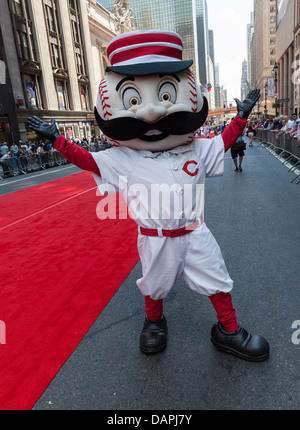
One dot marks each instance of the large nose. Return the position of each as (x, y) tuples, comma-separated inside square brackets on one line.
[(151, 112)]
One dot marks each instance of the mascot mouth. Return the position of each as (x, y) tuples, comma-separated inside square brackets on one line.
[(177, 123), (153, 136)]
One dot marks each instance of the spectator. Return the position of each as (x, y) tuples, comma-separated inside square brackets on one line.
[(296, 133), (277, 125), (5, 163), (14, 149), (206, 131), (4, 149), (270, 126), (283, 128), (291, 125)]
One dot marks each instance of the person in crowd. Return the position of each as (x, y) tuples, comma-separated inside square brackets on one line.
[(4, 149), (14, 149), (6, 164), (283, 128), (206, 130), (270, 126), (250, 133), (291, 125), (296, 132)]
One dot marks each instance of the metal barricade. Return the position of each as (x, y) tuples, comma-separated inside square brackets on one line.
[(282, 146), (29, 161)]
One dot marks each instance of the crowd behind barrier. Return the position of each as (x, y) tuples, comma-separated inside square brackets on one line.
[(282, 137), (32, 156), (283, 142)]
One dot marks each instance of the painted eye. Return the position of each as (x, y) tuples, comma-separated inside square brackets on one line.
[(131, 98), (167, 93)]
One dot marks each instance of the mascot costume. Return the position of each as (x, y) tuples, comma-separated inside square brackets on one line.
[(150, 106)]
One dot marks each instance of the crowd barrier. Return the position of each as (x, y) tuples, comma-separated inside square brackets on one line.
[(32, 162), (284, 147)]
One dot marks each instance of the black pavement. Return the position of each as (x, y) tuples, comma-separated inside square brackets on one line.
[(254, 216)]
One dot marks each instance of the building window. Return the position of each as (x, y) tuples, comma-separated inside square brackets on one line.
[(54, 34), (22, 29), (17, 7), (84, 97), (61, 95), (50, 18), (77, 37), (25, 46), (30, 83)]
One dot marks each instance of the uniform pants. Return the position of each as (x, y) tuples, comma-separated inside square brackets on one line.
[(198, 259)]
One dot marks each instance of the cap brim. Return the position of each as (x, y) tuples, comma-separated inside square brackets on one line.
[(144, 69)]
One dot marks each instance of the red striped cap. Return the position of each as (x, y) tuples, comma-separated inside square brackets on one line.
[(146, 52)]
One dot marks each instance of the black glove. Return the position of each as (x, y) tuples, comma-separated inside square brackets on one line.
[(47, 130), (245, 107)]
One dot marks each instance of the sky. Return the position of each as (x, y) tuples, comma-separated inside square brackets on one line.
[(228, 20)]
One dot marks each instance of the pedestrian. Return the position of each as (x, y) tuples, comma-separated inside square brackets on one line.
[(152, 123), (237, 153), (206, 131), (250, 133)]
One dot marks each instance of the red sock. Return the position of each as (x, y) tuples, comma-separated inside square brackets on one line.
[(225, 311), (153, 308)]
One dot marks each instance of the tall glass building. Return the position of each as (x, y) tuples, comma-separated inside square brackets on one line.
[(186, 17)]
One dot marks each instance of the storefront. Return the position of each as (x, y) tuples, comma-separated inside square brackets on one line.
[(77, 130)]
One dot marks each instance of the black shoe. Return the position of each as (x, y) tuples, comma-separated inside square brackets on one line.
[(240, 169), (153, 337), (240, 343)]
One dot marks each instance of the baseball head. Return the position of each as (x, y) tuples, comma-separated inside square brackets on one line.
[(149, 99)]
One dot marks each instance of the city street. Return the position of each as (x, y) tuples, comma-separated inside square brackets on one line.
[(254, 217)]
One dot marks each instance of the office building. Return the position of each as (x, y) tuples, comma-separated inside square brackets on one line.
[(186, 17), (54, 56)]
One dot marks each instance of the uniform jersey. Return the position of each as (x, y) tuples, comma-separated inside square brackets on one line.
[(162, 189)]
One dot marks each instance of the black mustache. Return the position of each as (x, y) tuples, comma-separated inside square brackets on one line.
[(178, 123)]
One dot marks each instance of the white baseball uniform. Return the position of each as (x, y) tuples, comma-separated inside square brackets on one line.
[(165, 190)]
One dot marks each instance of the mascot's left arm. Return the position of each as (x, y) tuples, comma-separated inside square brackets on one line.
[(237, 125)]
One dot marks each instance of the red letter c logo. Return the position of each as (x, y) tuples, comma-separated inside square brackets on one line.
[(186, 170)]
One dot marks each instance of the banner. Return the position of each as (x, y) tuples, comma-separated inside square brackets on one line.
[(271, 90)]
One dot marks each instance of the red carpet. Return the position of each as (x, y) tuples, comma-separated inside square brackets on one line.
[(60, 266)]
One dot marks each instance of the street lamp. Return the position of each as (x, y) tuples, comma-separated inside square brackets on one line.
[(275, 68)]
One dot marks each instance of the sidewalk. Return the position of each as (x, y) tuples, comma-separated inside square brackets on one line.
[(254, 216)]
